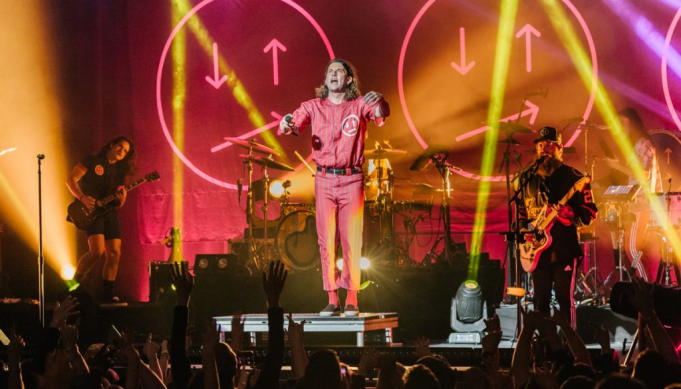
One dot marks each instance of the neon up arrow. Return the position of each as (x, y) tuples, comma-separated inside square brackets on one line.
[(668, 152), (251, 134), (275, 45), (531, 110), (215, 81), (528, 31), (463, 68)]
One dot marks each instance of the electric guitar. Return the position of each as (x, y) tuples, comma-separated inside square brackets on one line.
[(83, 218), (540, 228)]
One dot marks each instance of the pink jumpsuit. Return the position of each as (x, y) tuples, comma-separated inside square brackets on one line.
[(338, 132)]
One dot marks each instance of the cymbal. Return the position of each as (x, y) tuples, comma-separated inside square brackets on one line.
[(383, 152), (269, 162), (514, 127), (434, 153), (251, 144), (425, 189), (511, 141)]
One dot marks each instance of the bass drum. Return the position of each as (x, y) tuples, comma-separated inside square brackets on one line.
[(296, 240), (668, 146)]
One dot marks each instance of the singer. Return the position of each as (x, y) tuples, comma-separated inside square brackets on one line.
[(548, 181), (97, 176), (338, 118)]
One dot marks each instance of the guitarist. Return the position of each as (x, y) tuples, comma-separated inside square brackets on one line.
[(549, 181), (95, 177)]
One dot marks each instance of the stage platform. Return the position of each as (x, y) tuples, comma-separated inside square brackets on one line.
[(385, 322)]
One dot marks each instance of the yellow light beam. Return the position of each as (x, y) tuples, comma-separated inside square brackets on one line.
[(505, 36), (179, 54), (238, 89), (561, 23), (32, 123)]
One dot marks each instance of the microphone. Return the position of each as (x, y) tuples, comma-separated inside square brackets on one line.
[(539, 161), (239, 187), (41, 156)]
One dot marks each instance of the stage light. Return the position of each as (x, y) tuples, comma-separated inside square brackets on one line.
[(277, 188), (364, 263), (339, 264), (67, 272), (468, 313)]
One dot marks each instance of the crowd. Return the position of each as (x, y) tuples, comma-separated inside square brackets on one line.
[(549, 354)]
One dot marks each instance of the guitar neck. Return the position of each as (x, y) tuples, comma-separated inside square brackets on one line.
[(112, 197)]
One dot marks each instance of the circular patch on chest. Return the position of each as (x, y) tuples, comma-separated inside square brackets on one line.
[(350, 125)]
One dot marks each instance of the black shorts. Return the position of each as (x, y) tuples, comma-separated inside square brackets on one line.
[(107, 225)]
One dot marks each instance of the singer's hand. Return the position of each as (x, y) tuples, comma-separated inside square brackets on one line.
[(372, 98), (286, 124)]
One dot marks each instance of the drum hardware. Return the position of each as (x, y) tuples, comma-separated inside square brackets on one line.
[(668, 251), (258, 249), (437, 156), (616, 197), (588, 286)]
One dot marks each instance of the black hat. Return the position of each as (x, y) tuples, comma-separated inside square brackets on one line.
[(548, 134)]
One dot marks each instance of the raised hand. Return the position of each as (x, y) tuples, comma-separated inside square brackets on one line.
[(492, 324), (63, 311), (533, 319), (295, 330), (490, 342), (238, 332), (14, 349), (273, 282), (422, 347), (69, 336), (128, 350), (151, 348), (183, 281), (211, 336), (368, 361)]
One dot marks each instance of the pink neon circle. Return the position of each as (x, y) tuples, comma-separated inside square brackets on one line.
[(665, 79), (403, 101), (164, 54)]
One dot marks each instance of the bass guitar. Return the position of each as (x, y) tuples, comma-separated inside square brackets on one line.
[(540, 228), (83, 218)]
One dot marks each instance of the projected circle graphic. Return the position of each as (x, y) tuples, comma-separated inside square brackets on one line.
[(465, 65), (665, 77), (227, 94)]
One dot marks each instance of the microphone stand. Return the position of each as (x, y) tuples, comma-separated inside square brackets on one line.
[(41, 258), (515, 234)]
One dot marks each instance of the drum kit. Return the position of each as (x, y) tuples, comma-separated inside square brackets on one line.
[(295, 235)]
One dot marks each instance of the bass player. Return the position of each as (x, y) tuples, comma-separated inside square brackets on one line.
[(93, 178), (548, 183)]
